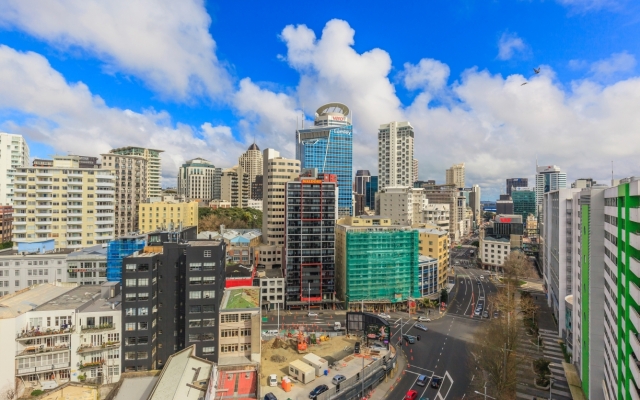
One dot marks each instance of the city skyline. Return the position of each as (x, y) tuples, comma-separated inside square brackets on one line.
[(210, 91)]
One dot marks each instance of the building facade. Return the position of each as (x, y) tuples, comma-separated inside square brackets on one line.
[(6, 223), (312, 205), (14, 153), (428, 285), (437, 215), (131, 188), (239, 333), (235, 186), (257, 188), (71, 205), (455, 175), (199, 179), (415, 171), (371, 189), (377, 263), (493, 251), (277, 172), (363, 176), (524, 201), (20, 271), (87, 266), (166, 215), (435, 244), (328, 147), (548, 178), (516, 183), (447, 194), (251, 162), (504, 207), (403, 205), (395, 154), (154, 171)]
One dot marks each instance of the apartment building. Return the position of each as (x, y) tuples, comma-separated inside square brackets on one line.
[(277, 172), (312, 205), (272, 286), (60, 333), (20, 270), (438, 215), (455, 175), (252, 163), (235, 186), (403, 205), (395, 155), (428, 284), (435, 244), (450, 195), (199, 179), (131, 189), (171, 298), (6, 223), (415, 171), (239, 330), (87, 266), (66, 203), (153, 172), (154, 215), (14, 153)]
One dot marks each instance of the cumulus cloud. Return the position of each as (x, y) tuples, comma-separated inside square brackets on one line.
[(427, 74), (509, 45), (165, 44), (618, 62), (69, 118)]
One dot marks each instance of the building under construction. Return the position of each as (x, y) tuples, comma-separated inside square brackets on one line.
[(376, 263)]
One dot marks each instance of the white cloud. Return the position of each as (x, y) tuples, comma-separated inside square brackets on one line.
[(590, 5), (68, 117), (165, 44), (510, 44), (618, 62), (428, 74)]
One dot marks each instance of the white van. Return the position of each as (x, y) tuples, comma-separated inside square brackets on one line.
[(271, 332)]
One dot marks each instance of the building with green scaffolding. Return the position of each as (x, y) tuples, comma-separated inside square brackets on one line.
[(376, 263)]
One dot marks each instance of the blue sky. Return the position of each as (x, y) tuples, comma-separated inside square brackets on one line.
[(203, 79)]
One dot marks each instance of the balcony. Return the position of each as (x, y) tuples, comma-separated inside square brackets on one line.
[(41, 213), (634, 264), (106, 229), (635, 371), (635, 319), (40, 349), (52, 367), (91, 364), (19, 206), (69, 190), (105, 237), (19, 222), (43, 230), (634, 239), (19, 190), (634, 214), (635, 344), (43, 206), (635, 294), (96, 328), (88, 348), (33, 333), (41, 173)]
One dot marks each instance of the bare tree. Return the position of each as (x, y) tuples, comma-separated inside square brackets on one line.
[(9, 392), (517, 266)]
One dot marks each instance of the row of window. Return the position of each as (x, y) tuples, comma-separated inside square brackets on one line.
[(141, 326), (235, 332), (17, 263), (199, 323), (235, 317), (232, 348), (204, 294)]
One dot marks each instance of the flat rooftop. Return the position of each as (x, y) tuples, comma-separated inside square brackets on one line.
[(432, 231), (12, 252), (238, 271), (270, 273), (241, 298), (72, 299), (28, 299), (196, 243), (102, 304), (180, 377)]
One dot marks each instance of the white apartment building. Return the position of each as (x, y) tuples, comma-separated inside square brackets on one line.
[(493, 251), (402, 205), (87, 266), (251, 162), (395, 155), (54, 334), (19, 270), (153, 173), (72, 206), (272, 285), (548, 178), (14, 153), (199, 179), (455, 175), (235, 186), (277, 171), (438, 215)]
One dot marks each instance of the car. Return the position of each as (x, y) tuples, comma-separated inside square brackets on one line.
[(496, 314), (424, 319), (318, 391), (478, 312), (377, 347), (312, 314), (485, 314), (478, 282), (421, 327), (457, 263), (411, 395), (270, 396), (409, 338), (481, 276), (435, 382), (338, 378), (422, 380), (356, 348), (273, 380), (383, 315)]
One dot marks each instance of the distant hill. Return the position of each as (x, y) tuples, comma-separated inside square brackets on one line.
[(232, 218)]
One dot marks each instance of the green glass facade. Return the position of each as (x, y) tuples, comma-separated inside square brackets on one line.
[(524, 203), (382, 265)]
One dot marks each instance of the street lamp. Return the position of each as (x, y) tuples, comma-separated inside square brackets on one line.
[(485, 394)]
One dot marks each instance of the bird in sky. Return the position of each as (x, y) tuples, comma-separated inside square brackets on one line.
[(524, 84), (537, 71)]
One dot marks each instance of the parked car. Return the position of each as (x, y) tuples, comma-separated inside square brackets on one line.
[(421, 327), (424, 319), (356, 348), (422, 380), (273, 380), (435, 382), (312, 314), (318, 391), (383, 315), (411, 395), (496, 314), (338, 378), (409, 338), (478, 312), (481, 276), (270, 396), (377, 347), (485, 314)]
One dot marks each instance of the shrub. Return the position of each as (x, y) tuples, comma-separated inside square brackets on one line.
[(37, 392)]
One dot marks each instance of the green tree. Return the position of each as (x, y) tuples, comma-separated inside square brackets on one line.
[(444, 296)]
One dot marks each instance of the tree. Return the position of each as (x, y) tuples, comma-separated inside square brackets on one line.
[(488, 215), (444, 295), (232, 218)]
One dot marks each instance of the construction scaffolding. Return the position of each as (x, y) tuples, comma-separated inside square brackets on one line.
[(117, 250)]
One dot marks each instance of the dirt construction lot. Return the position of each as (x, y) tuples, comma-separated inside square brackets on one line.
[(335, 349)]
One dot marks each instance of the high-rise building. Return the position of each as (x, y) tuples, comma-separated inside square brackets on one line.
[(235, 187), (524, 201), (548, 178), (455, 175), (437, 215), (376, 263), (73, 206), (14, 153), (154, 172), (328, 147), (504, 206), (370, 190), (256, 188), (167, 215), (130, 188), (362, 177), (474, 203), (199, 179), (395, 155), (402, 205), (415, 170), (312, 203), (447, 194), (88, 162), (251, 163), (516, 183), (171, 292), (277, 172)]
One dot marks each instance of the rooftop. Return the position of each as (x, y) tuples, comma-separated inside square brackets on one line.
[(432, 231), (28, 299), (97, 250), (426, 259), (270, 273), (241, 298), (181, 377), (12, 253), (496, 239), (196, 243), (136, 387), (238, 271), (72, 299)]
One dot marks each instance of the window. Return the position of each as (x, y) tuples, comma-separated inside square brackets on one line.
[(143, 311), (245, 346), (208, 322), (245, 332), (209, 294), (195, 280), (143, 340), (130, 355), (245, 317), (130, 341), (130, 268), (228, 318), (195, 294), (195, 266), (208, 280), (143, 282), (143, 296), (208, 266), (130, 312), (206, 336), (194, 337), (207, 253), (143, 325), (130, 282), (130, 326), (208, 308), (142, 355), (208, 350), (195, 309), (195, 323), (113, 337), (229, 333), (228, 348)]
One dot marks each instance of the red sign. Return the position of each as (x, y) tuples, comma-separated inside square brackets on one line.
[(338, 118), (505, 220)]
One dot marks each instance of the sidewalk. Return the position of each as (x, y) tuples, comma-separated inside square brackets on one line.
[(383, 390)]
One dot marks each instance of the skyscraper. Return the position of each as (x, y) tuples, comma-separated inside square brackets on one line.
[(524, 201), (362, 177), (395, 155), (370, 190), (516, 182), (548, 178), (251, 162), (154, 172), (328, 147), (455, 175), (235, 186), (277, 172), (199, 179), (14, 153)]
